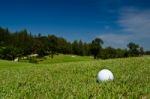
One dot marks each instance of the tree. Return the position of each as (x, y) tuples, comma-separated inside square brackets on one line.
[(75, 47), (64, 46), (110, 52), (22, 43), (86, 49), (42, 44), (96, 47), (133, 49), (53, 45), (10, 53), (4, 37), (141, 51), (147, 52), (81, 50), (23, 40)]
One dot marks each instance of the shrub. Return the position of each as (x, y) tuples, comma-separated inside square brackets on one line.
[(33, 60)]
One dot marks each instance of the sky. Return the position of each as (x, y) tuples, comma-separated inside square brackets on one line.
[(116, 22)]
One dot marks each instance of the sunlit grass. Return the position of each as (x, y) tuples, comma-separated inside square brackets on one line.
[(60, 58), (64, 58), (75, 79)]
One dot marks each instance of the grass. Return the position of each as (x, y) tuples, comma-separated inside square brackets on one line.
[(64, 58), (75, 79), (61, 59)]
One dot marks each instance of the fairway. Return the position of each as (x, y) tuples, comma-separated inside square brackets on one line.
[(60, 58), (75, 79), (64, 58)]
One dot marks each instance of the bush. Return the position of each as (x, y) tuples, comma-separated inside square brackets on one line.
[(33, 60)]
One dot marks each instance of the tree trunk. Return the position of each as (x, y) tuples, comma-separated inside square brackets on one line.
[(52, 55), (94, 56)]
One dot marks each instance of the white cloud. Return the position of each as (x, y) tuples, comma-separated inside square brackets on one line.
[(115, 40), (135, 26), (136, 22), (118, 39)]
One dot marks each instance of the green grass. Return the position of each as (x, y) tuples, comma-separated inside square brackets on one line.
[(61, 59), (64, 58), (75, 79)]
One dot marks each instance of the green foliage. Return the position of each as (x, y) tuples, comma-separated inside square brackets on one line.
[(10, 53), (96, 47), (76, 80), (33, 60), (22, 43), (147, 53), (4, 36), (64, 47), (53, 45), (80, 48), (133, 49), (110, 52)]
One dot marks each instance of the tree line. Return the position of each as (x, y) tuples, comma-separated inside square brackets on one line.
[(23, 43)]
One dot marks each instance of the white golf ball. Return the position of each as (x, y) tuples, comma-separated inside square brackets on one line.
[(105, 75)]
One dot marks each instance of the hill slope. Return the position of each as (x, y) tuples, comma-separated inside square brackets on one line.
[(75, 79)]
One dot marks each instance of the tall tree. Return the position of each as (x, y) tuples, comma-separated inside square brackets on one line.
[(75, 47), (133, 49), (141, 51), (96, 47), (53, 44), (4, 36), (10, 53)]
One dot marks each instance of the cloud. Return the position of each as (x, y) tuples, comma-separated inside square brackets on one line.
[(134, 26), (115, 40), (118, 39), (136, 22)]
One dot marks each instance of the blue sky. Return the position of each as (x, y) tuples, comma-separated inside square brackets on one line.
[(117, 22)]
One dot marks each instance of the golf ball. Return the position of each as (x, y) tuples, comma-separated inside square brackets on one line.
[(105, 75)]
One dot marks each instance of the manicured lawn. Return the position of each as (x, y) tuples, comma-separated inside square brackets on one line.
[(75, 79)]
